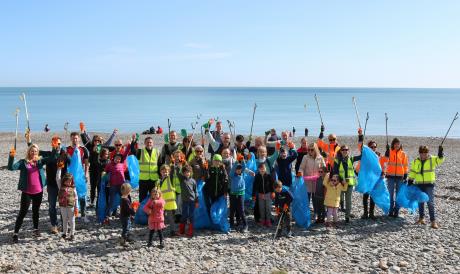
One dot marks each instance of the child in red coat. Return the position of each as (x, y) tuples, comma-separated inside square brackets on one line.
[(155, 210)]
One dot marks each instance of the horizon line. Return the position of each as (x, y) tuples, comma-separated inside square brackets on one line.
[(204, 86)]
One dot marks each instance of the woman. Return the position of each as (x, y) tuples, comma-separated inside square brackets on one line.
[(309, 168), (302, 151), (187, 148), (31, 182)]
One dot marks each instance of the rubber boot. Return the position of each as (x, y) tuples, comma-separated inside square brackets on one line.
[(160, 235), (181, 228), (190, 230), (149, 243)]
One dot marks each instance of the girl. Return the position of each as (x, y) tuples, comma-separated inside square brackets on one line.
[(177, 162), (264, 192), (31, 183), (169, 192), (332, 199), (126, 212), (67, 198), (155, 210)]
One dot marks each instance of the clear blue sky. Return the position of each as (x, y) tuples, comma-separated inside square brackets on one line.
[(230, 43)]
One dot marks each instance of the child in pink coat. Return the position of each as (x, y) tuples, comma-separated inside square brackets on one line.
[(155, 210)]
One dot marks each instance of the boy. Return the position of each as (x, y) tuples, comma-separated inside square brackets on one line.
[(189, 196), (237, 190), (283, 200)]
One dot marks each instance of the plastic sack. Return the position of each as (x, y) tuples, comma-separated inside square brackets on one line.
[(217, 210), (410, 196), (102, 199), (370, 171), (381, 196), (299, 206), (134, 171), (76, 169), (202, 220), (248, 179), (141, 218), (200, 216)]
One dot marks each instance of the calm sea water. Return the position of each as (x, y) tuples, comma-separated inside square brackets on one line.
[(412, 112)]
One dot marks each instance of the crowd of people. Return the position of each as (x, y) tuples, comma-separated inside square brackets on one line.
[(169, 178)]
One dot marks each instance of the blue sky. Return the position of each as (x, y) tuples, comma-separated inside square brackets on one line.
[(230, 43)]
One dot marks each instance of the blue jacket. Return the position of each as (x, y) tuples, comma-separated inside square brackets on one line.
[(237, 183), (23, 178), (285, 168)]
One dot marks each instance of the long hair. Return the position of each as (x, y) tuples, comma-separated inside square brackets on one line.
[(66, 177), (314, 146), (29, 149)]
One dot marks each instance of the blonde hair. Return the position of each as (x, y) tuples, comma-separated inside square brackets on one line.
[(314, 146), (125, 189), (29, 149)]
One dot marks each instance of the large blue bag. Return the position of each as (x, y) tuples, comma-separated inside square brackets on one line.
[(299, 206), (370, 171), (103, 198), (217, 210), (381, 196), (248, 179), (141, 218), (134, 171), (201, 218), (76, 169), (410, 196)]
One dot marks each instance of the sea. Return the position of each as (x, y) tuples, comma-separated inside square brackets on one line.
[(410, 112)]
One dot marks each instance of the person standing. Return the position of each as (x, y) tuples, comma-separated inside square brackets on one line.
[(148, 166)]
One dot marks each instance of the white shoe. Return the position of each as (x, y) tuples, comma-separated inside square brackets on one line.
[(85, 219)]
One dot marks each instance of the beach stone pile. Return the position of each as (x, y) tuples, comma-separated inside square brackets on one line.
[(387, 245)]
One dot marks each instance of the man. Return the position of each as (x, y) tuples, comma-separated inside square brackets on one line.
[(330, 150), (217, 136), (84, 155), (422, 174), (168, 149), (216, 146), (148, 166)]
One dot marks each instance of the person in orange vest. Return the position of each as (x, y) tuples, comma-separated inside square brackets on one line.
[(396, 172), (330, 149)]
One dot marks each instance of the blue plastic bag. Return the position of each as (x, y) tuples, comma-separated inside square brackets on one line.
[(141, 218), (134, 170), (299, 206), (410, 196), (381, 196), (217, 210), (201, 218), (370, 171), (221, 206), (248, 179), (76, 169), (102, 199)]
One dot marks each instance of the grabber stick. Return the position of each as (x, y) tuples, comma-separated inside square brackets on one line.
[(319, 110), (356, 110), (365, 127), (169, 126), (252, 122), (198, 116), (453, 120), (278, 226), (16, 113), (386, 127), (66, 129), (23, 98)]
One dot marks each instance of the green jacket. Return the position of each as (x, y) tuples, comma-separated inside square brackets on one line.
[(21, 166)]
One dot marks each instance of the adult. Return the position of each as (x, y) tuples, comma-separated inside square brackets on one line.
[(422, 174), (217, 136), (239, 146), (169, 148), (148, 166), (396, 172), (301, 151), (159, 130), (199, 164), (330, 150), (52, 188), (188, 148), (218, 147), (258, 142), (32, 180), (84, 155), (94, 147)]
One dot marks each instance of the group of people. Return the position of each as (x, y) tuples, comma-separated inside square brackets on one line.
[(169, 179)]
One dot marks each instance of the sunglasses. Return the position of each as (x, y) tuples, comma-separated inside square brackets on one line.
[(198, 151), (311, 149), (332, 139), (344, 149), (118, 145)]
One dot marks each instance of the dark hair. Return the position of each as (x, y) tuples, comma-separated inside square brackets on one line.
[(423, 149), (371, 142), (74, 133), (187, 168), (105, 150), (394, 141), (239, 166), (239, 138), (148, 138), (278, 184), (260, 165)]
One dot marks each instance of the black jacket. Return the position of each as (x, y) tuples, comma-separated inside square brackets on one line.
[(263, 184), (216, 182)]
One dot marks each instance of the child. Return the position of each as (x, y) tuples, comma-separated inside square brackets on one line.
[(263, 188), (67, 198), (284, 163), (169, 194), (283, 200), (155, 210), (126, 213), (102, 162), (189, 200), (318, 196), (332, 198), (116, 170), (216, 182), (177, 162), (237, 190)]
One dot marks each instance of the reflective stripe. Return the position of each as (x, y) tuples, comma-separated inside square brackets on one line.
[(395, 164), (148, 165)]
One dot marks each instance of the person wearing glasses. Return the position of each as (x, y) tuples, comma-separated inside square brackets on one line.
[(395, 172), (422, 174), (330, 150), (199, 164)]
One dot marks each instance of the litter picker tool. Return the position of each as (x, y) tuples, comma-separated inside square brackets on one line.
[(16, 113), (365, 127), (356, 110), (23, 98), (453, 120), (169, 126), (278, 226), (319, 110), (194, 126), (386, 127), (252, 122)]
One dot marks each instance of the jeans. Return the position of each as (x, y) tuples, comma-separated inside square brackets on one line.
[(145, 186), (394, 183), (429, 190), (237, 210), (188, 208), (348, 195), (113, 192), (24, 208), (126, 226), (52, 200), (208, 201), (265, 206)]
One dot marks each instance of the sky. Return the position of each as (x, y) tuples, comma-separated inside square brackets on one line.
[(230, 43)]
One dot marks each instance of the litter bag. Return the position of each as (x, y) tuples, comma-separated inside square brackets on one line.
[(299, 206), (133, 169)]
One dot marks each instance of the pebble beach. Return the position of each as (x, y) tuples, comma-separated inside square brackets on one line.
[(386, 245)]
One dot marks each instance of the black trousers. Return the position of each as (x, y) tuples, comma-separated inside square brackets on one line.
[(145, 186), (370, 211), (24, 208), (94, 180), (160, 235)]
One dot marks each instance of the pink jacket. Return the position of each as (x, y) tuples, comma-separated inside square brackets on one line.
[(155, 210)]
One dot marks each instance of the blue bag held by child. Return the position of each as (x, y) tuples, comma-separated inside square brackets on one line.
[(248, 179), (219, 211), (141, 218), (381, 196), (300, 208), (76, 169), (102, 200), (370, 171), (200, 216), (134, 170)]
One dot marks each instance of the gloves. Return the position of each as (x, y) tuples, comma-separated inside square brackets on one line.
[(360, 135), (387, 152), (410, 182), (283, 142), (291, 145), (82, 127), (278, 145), (75, 212), (135, 205), (239, 157), (322, 128), (440, 152), (60, 164), (272, 195), (197, 205), (267, 132), (278, 211), (12, 152), (360, 131), (285, 208)]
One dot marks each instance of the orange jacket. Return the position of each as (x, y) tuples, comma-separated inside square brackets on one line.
[(330, 149), (397, 163)]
